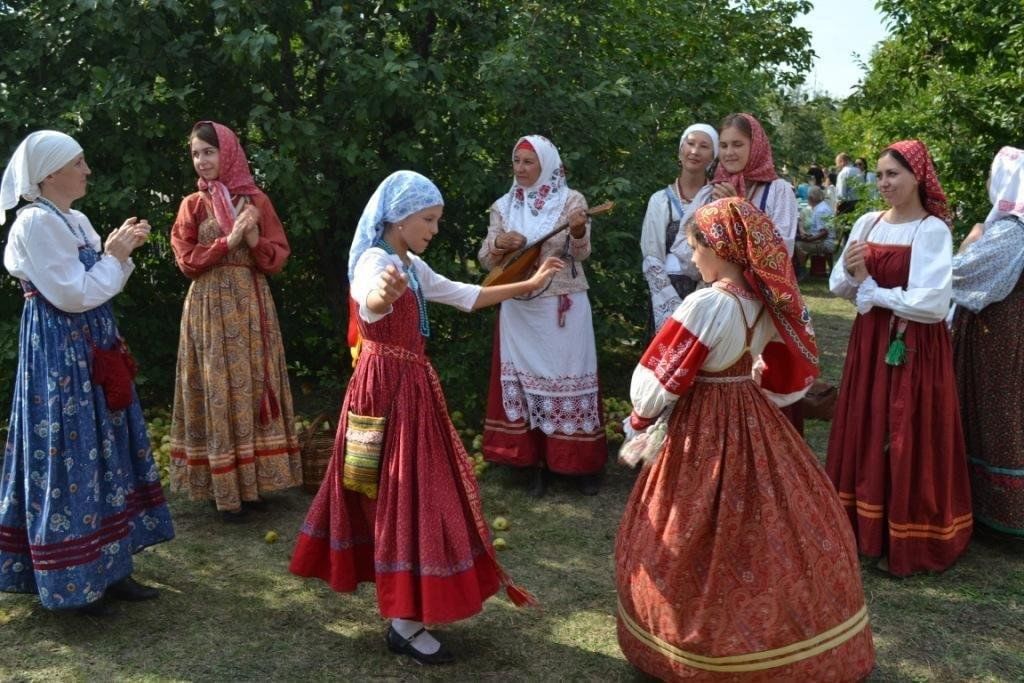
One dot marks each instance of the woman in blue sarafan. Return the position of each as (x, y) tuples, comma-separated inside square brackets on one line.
[(80, 493)]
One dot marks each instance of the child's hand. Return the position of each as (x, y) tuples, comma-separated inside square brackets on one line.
[(391, 284), (549, 267)]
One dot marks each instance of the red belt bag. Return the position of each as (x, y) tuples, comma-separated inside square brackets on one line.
[(114, 369)]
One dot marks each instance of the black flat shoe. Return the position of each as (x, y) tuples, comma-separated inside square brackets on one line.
[(589, 484), (404, 646), (539, 484), (98, 608), (233, 516), (130, 590), (255, 505)]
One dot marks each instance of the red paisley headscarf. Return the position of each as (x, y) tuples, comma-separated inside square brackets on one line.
[(234, 178), (760, 166), (916, 154), (740, 234)]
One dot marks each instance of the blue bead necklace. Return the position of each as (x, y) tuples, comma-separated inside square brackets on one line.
[(414, 283)]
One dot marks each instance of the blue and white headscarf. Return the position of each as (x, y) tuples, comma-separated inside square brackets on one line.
[(401, 194)]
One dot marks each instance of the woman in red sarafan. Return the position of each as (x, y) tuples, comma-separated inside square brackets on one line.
[(734, 557), (417, 529), (896, 452)]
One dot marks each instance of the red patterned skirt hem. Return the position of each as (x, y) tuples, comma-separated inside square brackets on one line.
[(401, 594), (909, 547), (841, 653)]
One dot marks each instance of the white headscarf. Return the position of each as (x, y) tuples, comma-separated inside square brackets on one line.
[(532, 211), (38, 155), (702, 128), (401, 194), (1006, 185)]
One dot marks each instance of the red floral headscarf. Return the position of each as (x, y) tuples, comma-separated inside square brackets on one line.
[(760, 166), (234, 178), (740, 234), (916, 154)]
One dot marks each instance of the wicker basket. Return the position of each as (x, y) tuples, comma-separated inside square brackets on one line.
[(317, 446)]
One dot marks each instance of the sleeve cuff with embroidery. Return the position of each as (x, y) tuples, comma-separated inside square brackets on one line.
[(866, 295)]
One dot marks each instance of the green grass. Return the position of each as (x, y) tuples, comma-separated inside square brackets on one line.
[(230, 610)]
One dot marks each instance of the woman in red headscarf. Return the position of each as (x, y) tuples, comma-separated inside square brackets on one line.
[(746, 168), (734, 555), (231, 433), (896, 451)]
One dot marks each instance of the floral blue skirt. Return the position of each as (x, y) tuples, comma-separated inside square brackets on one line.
[(80, 492)]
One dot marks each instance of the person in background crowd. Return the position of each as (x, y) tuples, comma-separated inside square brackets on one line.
[(847, 180), (819, 238)]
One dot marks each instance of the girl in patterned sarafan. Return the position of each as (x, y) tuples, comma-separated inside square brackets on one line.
[(232, 435), (399, 505), (80, 492), (988, 348), (734, 557), (896, 450)]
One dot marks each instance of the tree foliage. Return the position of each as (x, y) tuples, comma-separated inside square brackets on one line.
[(950, 75), (798, 122), (328, 97)]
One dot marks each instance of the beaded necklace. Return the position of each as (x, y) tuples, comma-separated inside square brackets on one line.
[(47, 204), (414, 284)]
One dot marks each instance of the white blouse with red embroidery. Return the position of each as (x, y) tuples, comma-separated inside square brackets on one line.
[(708, 332)]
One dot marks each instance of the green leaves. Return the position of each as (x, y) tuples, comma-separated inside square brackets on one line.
[(328, 97), (951, 76)]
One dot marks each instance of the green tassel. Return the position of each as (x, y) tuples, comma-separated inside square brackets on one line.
[(897, 352)]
